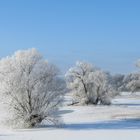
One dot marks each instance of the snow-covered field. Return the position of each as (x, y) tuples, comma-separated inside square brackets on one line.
[(119, 121)]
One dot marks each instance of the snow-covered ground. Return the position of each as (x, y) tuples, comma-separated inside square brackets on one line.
[(119, 121)]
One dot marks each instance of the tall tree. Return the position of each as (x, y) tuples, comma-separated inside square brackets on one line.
[(31, 88)]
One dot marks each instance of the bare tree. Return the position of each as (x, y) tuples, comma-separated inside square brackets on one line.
[(89, 84), (31, 88)]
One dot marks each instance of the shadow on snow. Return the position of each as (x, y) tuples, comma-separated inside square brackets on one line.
[(117, 124)]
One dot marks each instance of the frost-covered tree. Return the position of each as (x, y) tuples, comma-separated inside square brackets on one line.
[(128, 81), (89, 84), (77, 80), (132, 81), (30, 89)]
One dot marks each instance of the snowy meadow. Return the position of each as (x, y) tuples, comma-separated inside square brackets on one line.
[(120, 120), (37, 102)]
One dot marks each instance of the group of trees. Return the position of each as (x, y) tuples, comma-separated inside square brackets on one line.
[(32, 89), (89, 84)]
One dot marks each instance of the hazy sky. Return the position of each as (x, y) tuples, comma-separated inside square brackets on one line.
[(103, 32)]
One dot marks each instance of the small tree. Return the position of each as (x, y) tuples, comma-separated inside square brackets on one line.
[(128, 82), (30, 89), (89, 84), (132, 81)]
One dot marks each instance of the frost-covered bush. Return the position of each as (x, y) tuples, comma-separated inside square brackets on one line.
[(30, 89), (89, 84)]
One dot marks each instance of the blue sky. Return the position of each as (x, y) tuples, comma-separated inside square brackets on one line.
[(103, 32)]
